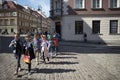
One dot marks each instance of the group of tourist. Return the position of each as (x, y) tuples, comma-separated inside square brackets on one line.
[(40, 47)]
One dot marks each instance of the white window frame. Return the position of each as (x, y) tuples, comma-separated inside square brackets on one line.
[(101, 2), (0, 6), (113, 27), (1, 21), (83, 5), (5, 6), (118, 4)]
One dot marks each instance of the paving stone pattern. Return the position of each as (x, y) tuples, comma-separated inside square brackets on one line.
[(69, 64)]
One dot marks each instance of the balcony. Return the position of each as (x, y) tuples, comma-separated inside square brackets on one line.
[(56, 13)]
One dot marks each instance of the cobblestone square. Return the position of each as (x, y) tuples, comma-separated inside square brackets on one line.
[(71, 63)]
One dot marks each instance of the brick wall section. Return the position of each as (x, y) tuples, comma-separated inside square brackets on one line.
[(88, 8)]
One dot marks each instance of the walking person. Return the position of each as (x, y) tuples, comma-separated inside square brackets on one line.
[(44, 47), (85, 37), (16, 45), (29, 51), (37, 47), (51, 47), (55, 47)]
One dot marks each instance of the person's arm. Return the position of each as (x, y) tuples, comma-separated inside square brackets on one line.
[(48, 45), (11, 44)]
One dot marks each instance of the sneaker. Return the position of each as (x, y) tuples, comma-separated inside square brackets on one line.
[(37, 63), (15, 73), (48, 58), (19, 69), (29, 73)]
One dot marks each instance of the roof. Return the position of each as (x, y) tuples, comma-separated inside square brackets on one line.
[(12, 5)]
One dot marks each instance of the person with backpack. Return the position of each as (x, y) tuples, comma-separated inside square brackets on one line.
[(16, 45), (28, 51)]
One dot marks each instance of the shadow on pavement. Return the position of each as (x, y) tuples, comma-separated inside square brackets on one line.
[(89, 49), (49, 71), (65, 57), (61, 63), (69, 53)]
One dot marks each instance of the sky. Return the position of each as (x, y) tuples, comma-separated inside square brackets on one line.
[(45, 4)]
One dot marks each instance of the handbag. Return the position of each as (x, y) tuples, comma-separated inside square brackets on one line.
[(26, 58)]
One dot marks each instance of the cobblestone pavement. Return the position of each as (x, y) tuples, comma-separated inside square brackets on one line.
[(71, 63)]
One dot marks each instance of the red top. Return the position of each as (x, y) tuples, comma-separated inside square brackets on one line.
[(55, 40)]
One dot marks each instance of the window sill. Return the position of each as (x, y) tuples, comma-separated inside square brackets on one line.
[(114, 34), (80, 9), (114, 8), (97, 9), (79, 34), (97, 34)]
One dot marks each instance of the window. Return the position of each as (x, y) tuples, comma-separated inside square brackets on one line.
[(5, 14), (0, 30), (114, 3), (80, 4), (113, 26), (96, 4), (13, 13), (1, 22), (12, 30), (5, 6), (0, 6), (12, 22), (21, 23), (96, 27), (6, 22), (57, 4), (78, 27)]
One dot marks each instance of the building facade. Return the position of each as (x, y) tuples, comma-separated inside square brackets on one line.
[(93, 20), (15, 18)]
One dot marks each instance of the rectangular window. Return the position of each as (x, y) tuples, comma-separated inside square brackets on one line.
[(0, 14), (96, 4), (5, 14), (57, 4), (6, 22), (113, 26), (78, 27), (0, 30), (12, 22), (1, 22), (0, 6), (114, 3), (80, 4), (5, 6), (12, 30), (96, 27), (13, 13)]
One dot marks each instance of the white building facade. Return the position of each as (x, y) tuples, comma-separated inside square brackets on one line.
[(93, 20)]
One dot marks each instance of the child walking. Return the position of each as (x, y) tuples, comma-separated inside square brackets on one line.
[(44, 47), (29, 51), (16, 45)]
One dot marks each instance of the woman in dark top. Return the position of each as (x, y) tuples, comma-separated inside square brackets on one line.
[(16, 45), (28, 50)]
